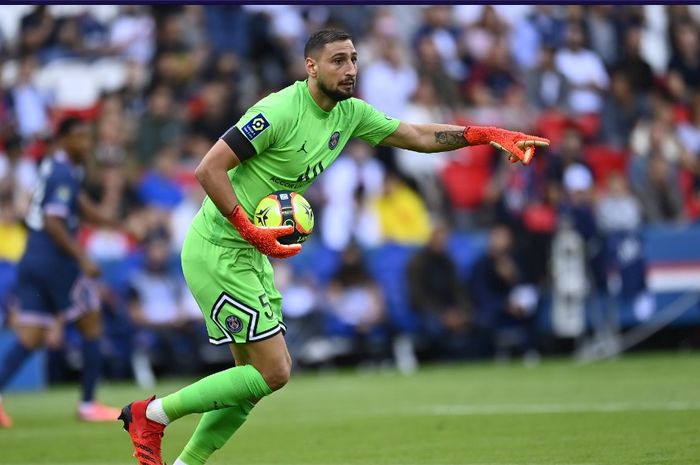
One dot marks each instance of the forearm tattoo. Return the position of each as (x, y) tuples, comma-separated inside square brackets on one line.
[(450, 138)]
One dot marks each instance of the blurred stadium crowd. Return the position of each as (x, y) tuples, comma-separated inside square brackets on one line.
[(414, 256)]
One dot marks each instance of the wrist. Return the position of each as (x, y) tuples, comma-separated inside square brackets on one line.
[(478, 135)]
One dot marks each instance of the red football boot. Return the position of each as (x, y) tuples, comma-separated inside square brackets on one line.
[(145, 434), (5, 420)]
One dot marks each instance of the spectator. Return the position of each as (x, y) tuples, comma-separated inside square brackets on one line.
[(622, 110), (218, 112), (659, 193), (684, 68), (436, 294), (355, 307), (132, 34), (617, 209), (347, 186), (632, 64), (389, 82), (542, 29), (403, 217), (159, 187), (18, 177), (569, 152), (503, 309), (168, 332), (546, 86), (439, 26), (492, 78), (38, 31), (584, 71), (656, 136), (31, 105), (602, 30), (158, 127), (430, 67), (302, 313)]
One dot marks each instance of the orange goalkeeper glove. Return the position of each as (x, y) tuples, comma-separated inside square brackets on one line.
[(520, 147), (263, 239)]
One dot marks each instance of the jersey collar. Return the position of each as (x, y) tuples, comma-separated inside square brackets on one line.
[(62, 157), (318, 111)]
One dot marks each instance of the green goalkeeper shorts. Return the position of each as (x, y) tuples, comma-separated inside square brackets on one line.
[(235, 290)]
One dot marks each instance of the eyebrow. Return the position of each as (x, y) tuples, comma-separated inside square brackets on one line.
[(343, 54)]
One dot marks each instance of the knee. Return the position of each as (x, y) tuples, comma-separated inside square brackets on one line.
[(277, 375)]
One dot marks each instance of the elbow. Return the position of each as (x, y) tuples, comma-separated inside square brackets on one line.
[(201, 172)]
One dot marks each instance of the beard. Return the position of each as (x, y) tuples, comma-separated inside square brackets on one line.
[(335, 94)]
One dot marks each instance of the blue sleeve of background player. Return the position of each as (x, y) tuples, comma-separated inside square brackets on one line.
[(61, 190)]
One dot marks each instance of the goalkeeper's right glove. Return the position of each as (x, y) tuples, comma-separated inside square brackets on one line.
[(262, 238)]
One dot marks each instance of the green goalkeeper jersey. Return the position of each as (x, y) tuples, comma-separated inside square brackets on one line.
[(284, 142)]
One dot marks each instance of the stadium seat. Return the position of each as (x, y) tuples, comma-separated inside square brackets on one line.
[(604, 160)]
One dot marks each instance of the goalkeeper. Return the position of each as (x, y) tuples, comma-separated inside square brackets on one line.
[(283, 142)]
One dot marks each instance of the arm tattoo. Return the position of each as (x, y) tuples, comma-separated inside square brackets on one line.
[(450, 138)]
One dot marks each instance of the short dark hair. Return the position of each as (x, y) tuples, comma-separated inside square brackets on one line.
[(319, 39), (67, 125)]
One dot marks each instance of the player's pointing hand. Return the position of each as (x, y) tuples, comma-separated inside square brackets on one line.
[(520, 146)]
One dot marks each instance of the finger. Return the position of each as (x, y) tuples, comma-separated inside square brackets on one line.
[(513, 159), (528, 140), (279, 231), (286, 251), (529, 153)]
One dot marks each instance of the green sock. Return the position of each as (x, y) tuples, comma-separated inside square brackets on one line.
[(213, 431), (221, 390)]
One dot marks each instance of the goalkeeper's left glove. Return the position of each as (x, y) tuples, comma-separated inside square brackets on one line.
[(520, 147)]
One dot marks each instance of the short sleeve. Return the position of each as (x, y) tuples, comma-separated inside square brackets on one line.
[(374, 125), (258, 127), (60, 190)]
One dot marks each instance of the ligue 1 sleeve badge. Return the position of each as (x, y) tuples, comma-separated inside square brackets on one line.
[(333, 141), (234, 324)]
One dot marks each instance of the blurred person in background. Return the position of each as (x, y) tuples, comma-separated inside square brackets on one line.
[(388, 84), (632, 64), (31, 106), (355, 308), (348, 186), (167, 334), (546, 86), (159, 186), (437, 294), (584, 70), (503, 306), (656, 136), (159, 127), (684, 67), (403, 216), (570, 151), (132, 34), (601, 28), (18, 175), (305, 336), (430, 66), (38, 32), (55, 277), (622, 110), (660, 193)]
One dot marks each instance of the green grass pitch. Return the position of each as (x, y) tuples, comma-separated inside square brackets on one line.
[(641, 409)]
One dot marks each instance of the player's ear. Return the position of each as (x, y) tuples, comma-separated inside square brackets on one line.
[(311, 67)]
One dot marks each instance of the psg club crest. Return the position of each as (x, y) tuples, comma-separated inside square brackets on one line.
[(234, 324), (333, 141)]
